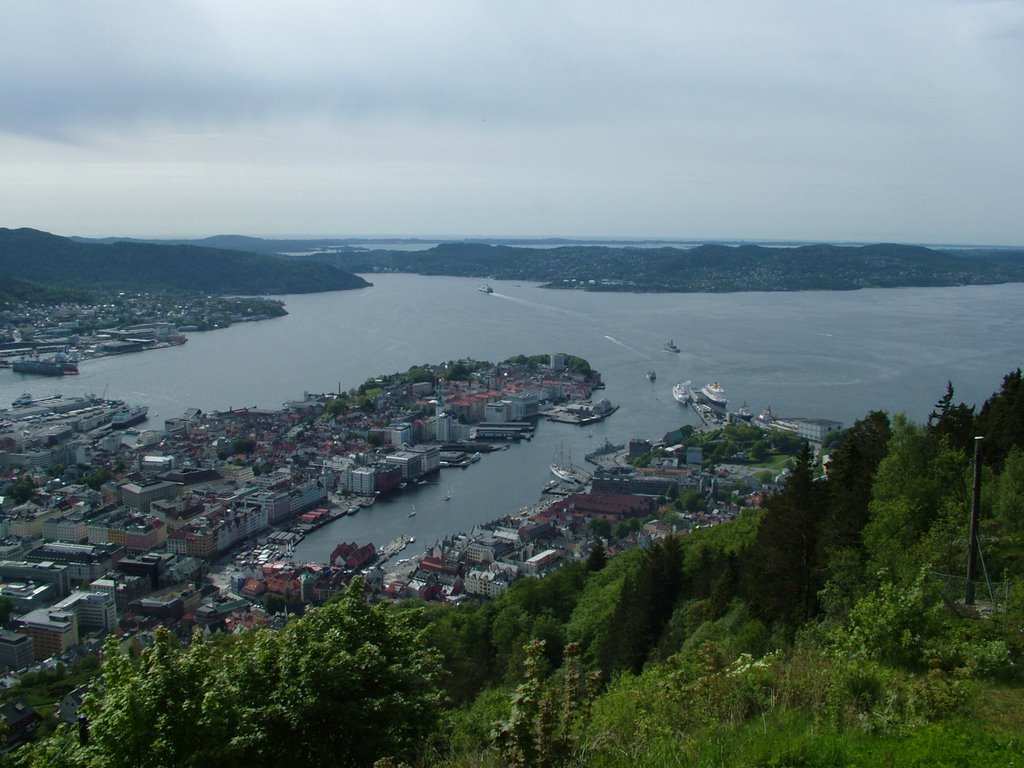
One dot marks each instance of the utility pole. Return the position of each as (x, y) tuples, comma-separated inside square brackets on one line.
[(972, 542)]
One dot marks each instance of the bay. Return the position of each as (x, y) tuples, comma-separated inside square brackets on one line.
[(822, 354)]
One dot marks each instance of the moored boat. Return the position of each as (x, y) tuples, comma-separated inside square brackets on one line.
[(682, 393), (714, 395), (129, 417), (58, 365)]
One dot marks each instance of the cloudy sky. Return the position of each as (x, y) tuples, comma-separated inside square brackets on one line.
[(895, 120)]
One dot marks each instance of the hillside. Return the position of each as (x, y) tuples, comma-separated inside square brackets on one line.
[(48, 259), (15, 291), (641, 267), (829, 628), (705, 268)]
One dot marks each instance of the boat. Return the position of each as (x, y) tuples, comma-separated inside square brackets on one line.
[(485, 288), (681, 392), (714, 395), (412, 512), (129, 417), (27, 401), (670, 346), (448, 495), (652, 375), (57, 365), (475, 457), (564, 470)]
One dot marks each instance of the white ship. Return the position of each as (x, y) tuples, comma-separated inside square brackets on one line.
[(565, 471), (714, 395), (682, 392)]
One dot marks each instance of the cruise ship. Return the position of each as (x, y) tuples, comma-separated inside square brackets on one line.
[(714, 395), (682, 393)]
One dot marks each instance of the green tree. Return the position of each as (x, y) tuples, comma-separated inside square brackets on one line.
[(22, 489), (345, 685), (919, 500), (1001, 420), (598, 558), (953, 422), (601, 527), (783, 573)]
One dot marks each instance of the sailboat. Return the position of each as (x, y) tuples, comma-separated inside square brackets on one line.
[(565, 471), (448, 494), (412, 512)]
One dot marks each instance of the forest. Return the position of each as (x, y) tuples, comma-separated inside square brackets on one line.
[(836, 626)]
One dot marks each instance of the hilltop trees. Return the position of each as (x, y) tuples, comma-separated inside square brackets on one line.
[(345, 685), (783, 573)]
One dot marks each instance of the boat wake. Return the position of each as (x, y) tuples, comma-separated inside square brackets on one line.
[(613, 340)]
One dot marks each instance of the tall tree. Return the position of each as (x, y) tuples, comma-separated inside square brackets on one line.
[(1001, 420), (782, 570), (919, 501), (953, 422)]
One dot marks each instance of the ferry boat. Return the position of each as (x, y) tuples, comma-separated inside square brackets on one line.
[(670, 346), (129, 417)]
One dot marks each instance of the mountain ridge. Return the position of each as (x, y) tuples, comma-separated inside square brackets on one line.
[(45, 258)]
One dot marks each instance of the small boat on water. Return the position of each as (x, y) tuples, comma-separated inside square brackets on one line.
[(671, 346), (652, 375), (485, 288), (448, 495), (412, 512)]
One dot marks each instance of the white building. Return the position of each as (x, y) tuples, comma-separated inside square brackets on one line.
[(94, 610)]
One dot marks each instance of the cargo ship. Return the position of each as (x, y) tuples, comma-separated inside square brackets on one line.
[(58, 365)]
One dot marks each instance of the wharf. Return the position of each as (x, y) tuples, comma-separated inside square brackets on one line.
[(393, 547), (580, 413)]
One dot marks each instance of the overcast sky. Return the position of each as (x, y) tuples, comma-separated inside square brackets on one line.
[(897, 120)]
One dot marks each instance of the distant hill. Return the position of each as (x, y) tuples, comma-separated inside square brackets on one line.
[(706, 268), (641, 266), (40, 257), (14, 291)]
